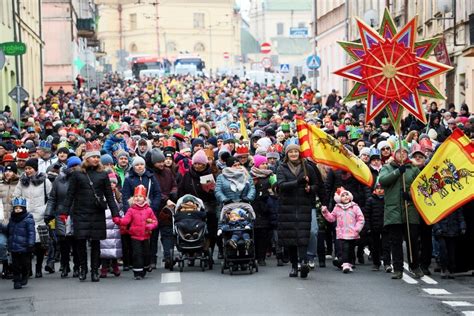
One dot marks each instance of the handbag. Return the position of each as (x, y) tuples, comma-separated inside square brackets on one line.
[(100, 203), (43, 233)]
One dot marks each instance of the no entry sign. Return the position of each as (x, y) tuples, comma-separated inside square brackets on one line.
[(265, 48)]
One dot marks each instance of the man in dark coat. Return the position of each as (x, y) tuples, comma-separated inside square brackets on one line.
[(88, 196)]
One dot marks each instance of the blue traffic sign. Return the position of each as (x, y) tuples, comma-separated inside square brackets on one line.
[(313, 62), (284, 68)]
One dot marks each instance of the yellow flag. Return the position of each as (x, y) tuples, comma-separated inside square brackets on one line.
[(195, 129), (327, 150), (173, 83), (164, 95), (443, 185), (205, 96), (243, 127)]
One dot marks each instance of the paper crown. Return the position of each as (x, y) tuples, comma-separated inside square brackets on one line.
[(74, 131), (22, 153), (19, 201), (241, 150), (140, 191), (44, 145), (169, 144), (93, 146)]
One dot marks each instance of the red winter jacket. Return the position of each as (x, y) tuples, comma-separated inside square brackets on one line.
[(137, 217)]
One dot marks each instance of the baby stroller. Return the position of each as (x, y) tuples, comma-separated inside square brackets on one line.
[(190, 229), (239, 253)]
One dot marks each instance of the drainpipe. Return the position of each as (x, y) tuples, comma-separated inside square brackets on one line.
[(41, 48), (19, 39)]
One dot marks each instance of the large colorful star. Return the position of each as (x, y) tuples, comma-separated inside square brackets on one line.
[(391, 70)]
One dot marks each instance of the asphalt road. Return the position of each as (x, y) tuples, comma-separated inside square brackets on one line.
[(269, 292)]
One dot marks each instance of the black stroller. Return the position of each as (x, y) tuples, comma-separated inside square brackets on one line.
[(242, 253), (190, 229)]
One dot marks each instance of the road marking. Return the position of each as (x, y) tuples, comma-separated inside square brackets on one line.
[(468, 313), (428, 280), (170, 298), (408, 279), (171, 277), (436, 291), (457, 303)]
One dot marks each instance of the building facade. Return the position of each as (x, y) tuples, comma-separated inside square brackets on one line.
[(208, 28), (8, 72)]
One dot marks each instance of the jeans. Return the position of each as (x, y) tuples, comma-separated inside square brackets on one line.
[(313, 236), (398, 233), (3, 247), (51, 250)]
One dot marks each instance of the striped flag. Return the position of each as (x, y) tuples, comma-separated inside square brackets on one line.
[(443, 185), (194, 129), (325, 149)]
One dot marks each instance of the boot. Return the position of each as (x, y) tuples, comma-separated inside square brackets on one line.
[(95, 275), (138, 275), (304, 270), (397, 275), (75, 272), (116, 270), (49, 267), (65, 271), (24, 280), (38, 273), (17, 285), (6, 273), (294, 271), (103, 272), (82, 274)]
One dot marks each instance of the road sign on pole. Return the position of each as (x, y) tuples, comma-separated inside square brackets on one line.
[(284, 68), (226, 55), (18, 94), (313, 62), (265, 48), (266, 62)]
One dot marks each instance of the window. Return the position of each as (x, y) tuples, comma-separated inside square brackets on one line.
[(280, 28), (301, 24), (198, 20), (133, 21), (199, 47)]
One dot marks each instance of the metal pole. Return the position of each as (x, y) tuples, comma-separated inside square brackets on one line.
[(315, 43), (210, 50), (17, 71)]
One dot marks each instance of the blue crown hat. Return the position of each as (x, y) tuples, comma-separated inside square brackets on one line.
[(44, 145), (291, 141), (374, 152), (19, 201)]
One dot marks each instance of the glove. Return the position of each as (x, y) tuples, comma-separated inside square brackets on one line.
[(63, 218), (116, 220), (219, 232), (225, 202), (402, 169), (406, 196)]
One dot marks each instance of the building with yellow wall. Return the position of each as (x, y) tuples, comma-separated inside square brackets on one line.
[(7, 73)]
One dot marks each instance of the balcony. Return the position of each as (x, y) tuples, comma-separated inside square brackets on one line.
[(85, 27)]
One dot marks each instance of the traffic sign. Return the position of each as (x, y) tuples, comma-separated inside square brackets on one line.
[(13, 48), (2, 59), (266, 62), (284, 68), (298, 32), (18, 94), (313, 62), (226, 55), (265, 48)]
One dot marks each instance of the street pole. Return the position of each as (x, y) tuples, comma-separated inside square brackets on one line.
[(210, 50), (315, 42), (15, 38)]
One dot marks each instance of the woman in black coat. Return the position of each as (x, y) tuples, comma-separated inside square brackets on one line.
[(88, 195), (56, 201), (298, 186)]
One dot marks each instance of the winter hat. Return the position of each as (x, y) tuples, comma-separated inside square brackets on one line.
[(264, 143), (73, 161), (140, 191), (8, 158), (121, 153), (63, 150), (231, 161), (259, 160), (291, 147), (113, 178), (157, 156), (383, 144), (212, 140), (364, 151), (433, 135), (338, 193), (33, 163), (197, 141), (200, 157), (138, 161), (224, 153), (106, 159), (11, 167)]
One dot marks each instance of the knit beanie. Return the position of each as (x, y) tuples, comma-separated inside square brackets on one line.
[(338, 193), (291, 147), (231, 161), (258, 160), (106, 159), (11, 167), (212, 140), (272, 154), (197, 141), (200, 157), (138, 161), (73, 161), (264, 142), (121, 153), (364, 151), (113, 178), (33, 163), (157, 156)]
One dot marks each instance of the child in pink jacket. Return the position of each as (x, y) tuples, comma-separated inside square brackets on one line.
[(350, 222), (142, 221)]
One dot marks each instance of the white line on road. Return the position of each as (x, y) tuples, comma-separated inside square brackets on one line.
[(468, 313), (171, 277), (436, 291), (428, 280), (457, 303), (170, 298), (408, 279)]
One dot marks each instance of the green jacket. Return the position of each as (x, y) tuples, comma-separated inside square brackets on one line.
[(122, 173), (391, 181)]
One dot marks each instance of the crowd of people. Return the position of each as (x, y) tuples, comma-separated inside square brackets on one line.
[(93, 171)]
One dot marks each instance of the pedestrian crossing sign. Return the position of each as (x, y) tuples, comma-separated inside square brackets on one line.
[(313, 62), (284, 68)]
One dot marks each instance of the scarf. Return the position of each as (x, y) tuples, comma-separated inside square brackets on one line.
[(346, 206), (36, 180), (260, 173), (295, 167), (237, 177)]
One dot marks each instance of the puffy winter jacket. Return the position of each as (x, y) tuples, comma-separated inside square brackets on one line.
[(137, 217), (21, 232), (374, 213), (113, 143), (6, 191), (349, 218), (223, 191), (111, 246), (149, 181), (56, 202)]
